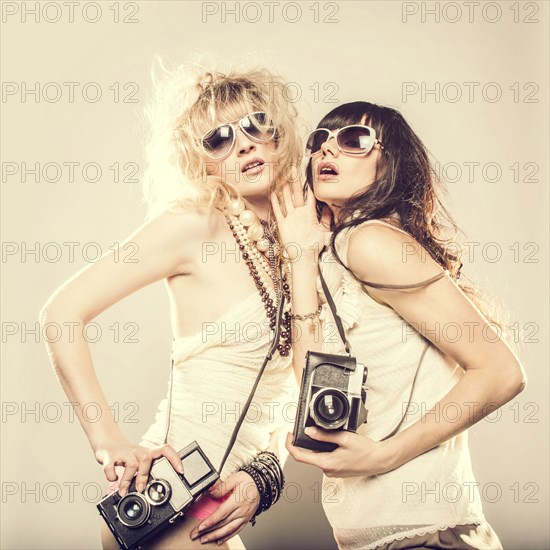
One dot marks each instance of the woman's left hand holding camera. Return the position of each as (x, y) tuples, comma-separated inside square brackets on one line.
[(231, 517), (356, 455)]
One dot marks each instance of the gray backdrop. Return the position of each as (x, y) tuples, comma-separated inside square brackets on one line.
[(471, 78)]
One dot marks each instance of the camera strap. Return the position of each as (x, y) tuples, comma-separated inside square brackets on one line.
[(332, 306), (268, 357)]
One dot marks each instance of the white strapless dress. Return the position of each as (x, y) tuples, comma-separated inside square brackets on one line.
[(213, 374)]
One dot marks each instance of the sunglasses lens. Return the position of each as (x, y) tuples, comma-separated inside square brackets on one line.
[(315, 140), (356, 139), (218, 142), (258, 126)]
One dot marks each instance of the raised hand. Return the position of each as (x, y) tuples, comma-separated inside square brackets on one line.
[(299, 229)]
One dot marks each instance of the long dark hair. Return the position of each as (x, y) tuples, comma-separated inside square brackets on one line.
[(405, 188)]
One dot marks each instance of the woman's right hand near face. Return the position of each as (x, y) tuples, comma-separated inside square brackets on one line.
[(300, 231), (136, 460)]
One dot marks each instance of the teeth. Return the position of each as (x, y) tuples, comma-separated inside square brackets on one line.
[(253, 165)]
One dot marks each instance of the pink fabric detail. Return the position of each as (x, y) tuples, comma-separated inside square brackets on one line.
[(205, 506), (201, 509)]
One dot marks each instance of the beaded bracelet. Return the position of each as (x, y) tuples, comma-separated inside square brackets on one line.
[(271, 459), (306, 316), (267, 474)]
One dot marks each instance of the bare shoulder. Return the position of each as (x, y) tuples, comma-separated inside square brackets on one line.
[(175, 236), (382, 254), (175, 223)]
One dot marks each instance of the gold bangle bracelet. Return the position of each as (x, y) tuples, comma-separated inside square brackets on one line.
[(307, 315)]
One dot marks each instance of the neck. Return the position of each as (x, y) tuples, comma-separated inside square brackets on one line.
[(335, 211)]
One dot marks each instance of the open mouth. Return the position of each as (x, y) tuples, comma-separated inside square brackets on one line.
[(253, 166), (327, 170)]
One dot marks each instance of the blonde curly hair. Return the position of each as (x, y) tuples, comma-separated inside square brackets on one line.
[(188, 101)]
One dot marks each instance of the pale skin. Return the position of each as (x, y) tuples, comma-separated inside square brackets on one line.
[(493, 374), (170, 248)]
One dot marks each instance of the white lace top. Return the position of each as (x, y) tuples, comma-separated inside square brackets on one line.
[(437, 489), (214, 371)]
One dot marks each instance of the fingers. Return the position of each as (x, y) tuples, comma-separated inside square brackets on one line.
[(146, 456), (289, 204), (338, 437), (277, 209), (225, 532), (303, 455), (216, 490), (171, 454), (145, 461), (310, 198), (219, 489), (297, 191), (225, 513), (109, 471), (138, 460), (233, 534), (130, 468)]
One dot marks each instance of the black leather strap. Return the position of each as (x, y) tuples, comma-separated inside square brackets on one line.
[(268, 357), (332, 306), (402, 287)]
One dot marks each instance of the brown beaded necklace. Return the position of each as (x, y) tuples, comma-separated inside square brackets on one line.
[(259, 268)]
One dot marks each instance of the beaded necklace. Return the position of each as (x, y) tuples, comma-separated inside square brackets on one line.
[(260, 269)]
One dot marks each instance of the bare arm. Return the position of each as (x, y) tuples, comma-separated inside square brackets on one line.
[(303, 237), (493, 374), (164, 248)]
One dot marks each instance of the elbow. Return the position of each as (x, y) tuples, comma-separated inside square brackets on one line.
[(53, 317), (515, 380), (49, 313), (49, 317), (44, 314)]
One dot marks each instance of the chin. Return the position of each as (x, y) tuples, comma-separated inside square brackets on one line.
[(255, 187), (325, 193)]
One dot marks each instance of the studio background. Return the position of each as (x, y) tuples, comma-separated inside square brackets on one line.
[(332, 52)]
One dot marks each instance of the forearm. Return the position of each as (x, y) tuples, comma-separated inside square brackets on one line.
[(71, 359), (478, 393), (307, 334), (277, 444)]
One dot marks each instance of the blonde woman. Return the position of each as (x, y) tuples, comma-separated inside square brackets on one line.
[(220, 144)]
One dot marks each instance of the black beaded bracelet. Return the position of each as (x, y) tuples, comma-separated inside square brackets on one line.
[(271, 460), (267, 474)]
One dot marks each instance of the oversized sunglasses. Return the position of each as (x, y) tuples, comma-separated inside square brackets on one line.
[(355, 139), (219, 142)]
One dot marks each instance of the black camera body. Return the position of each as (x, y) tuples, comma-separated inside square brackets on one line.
[(332, 396), (137, 517)]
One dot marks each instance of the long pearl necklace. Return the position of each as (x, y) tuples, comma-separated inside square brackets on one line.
[(244, 225)]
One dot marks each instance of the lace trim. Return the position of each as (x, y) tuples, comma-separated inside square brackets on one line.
[(369, 539), (346, 293)]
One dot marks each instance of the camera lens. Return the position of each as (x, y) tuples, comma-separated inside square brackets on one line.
[(330, 408), (157, 492), (133, 510)]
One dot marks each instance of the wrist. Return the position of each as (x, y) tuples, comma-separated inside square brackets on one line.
[(389, 455), (307, 259), (102, 439)]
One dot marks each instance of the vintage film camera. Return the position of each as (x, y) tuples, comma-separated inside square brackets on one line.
[(332, 396), (136, 517)]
